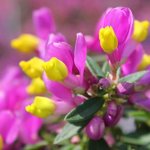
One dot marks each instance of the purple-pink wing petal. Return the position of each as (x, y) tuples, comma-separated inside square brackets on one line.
[(61, 51), (80, 54), (57, 89), (133, 60), (43, 22)]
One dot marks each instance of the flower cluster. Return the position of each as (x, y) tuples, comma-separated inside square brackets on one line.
[(93, 91)]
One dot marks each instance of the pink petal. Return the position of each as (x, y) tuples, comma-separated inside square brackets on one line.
[(43, 22), (80, 54)]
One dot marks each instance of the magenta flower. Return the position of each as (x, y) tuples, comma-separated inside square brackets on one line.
[(16, 124), (74, 61), (120, 19)]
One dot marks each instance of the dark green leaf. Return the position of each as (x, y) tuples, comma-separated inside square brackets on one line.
[(133, 77), (67, 132), (98, 145), (124, 146), (94, 67), (85, 111)]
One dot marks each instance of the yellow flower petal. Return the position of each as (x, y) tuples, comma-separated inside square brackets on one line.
[(145, 62), (37, 86), (41, 107), (108, 39), (55, 69), (140, 30), (33, 67), (25, 43)]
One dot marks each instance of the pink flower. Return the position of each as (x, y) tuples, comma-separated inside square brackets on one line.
[(16, 124), (74, 60)]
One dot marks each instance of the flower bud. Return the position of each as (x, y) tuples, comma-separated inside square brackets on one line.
[(108, 39), (95, 128), (55, 69), (113, 114), (104, 83)]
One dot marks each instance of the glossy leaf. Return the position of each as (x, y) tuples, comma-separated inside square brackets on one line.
[(85, 111)]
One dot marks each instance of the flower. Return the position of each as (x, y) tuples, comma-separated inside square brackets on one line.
[(72, 71), (12, 112), (63, 74), (98, 97)]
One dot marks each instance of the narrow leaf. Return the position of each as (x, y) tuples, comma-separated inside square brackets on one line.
[(85, 111), (67, 132), (36, 146), (138, 140), (94, 67), (133, 77), (118, 72), (106, 68)]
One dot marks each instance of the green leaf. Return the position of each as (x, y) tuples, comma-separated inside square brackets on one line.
[(133, 77), (139, 115), (137, 140), (37, 146), (98, 145), (94, 67), (106, 68), (67, 132), (118, 72), (85, 111)]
